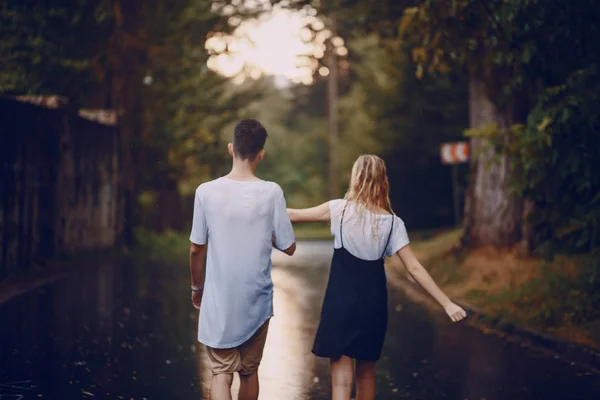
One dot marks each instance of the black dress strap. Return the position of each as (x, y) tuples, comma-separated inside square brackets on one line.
[(341, 222), (389, 237)]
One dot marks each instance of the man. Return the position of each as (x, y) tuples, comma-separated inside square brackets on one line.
[(237, 220)]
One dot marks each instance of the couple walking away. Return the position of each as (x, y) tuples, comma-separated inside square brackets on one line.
[(237, 220)]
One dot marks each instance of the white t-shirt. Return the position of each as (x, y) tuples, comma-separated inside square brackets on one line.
[(365, 237), (238, 220)]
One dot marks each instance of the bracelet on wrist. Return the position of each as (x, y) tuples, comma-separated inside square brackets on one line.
[(198, 288)]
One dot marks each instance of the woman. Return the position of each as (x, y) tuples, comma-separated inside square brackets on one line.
[(354, 314)]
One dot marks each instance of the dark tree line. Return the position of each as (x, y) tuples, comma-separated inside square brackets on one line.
[(146, 61)]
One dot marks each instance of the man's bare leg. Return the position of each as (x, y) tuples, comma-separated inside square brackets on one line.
[(220, 387), (341, 378), (248, 386), (365, 380)]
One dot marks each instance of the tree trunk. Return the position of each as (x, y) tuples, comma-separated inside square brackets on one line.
[(126, 91), (493, 215), (333, 117), (169, 214)]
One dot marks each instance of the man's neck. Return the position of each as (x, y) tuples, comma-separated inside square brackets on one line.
[(242, 170)]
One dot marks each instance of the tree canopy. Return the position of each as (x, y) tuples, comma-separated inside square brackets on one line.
[(539, 60), (404, 89)]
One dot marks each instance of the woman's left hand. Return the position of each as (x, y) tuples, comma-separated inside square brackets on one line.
[(455, 312)]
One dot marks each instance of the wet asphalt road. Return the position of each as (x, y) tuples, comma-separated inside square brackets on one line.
[(127, 331)]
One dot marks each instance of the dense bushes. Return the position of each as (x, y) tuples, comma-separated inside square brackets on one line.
[(558, 157)]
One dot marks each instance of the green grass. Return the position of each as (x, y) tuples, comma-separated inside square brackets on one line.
[(562, 299), (556, 297), (312, 231), (434, 249), (161, 247), (434, 244)]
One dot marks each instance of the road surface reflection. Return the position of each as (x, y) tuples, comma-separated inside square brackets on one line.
[(128, 331)]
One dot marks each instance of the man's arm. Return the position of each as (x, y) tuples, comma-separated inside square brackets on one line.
[(198, 240), (197, 267), (283, 232)]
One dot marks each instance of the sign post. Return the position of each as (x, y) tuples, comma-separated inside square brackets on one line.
[(454, 154)]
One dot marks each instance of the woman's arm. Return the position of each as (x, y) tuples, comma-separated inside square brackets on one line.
[(315, 214), (420, 274)]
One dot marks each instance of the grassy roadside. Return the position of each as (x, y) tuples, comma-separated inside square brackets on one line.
[(165, 247), (556, 298)]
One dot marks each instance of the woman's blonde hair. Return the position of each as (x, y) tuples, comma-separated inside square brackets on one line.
[(369, 186)]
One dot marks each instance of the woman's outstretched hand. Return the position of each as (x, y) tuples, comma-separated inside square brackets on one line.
[(416, 270), (455, 312)]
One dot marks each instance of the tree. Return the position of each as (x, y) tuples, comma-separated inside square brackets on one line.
[(384, 109), (392, 113), (187, 105), (465, 34), (512, 51), (147, 62), (54, 48), (296, 151), (557, 153)]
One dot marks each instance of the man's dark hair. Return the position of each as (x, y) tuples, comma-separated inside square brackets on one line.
[(249, 138)]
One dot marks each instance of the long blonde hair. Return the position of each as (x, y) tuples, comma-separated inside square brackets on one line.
[(369, 186)]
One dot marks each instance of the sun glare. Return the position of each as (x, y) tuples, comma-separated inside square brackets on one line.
[(278, 43)]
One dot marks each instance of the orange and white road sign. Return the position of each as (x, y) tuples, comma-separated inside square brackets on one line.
[(454, 153)]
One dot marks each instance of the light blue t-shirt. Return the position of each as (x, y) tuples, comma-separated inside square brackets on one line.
[(238, 220)]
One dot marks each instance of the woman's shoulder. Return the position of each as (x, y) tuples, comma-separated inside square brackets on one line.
[(337, 202), (336, 206)]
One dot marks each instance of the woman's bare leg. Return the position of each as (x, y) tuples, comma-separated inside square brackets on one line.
[(365, 380), (341, 378)]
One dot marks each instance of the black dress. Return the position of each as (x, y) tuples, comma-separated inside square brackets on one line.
[(354, 315)]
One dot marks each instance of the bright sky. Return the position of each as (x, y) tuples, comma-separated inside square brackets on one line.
[(273, 44)]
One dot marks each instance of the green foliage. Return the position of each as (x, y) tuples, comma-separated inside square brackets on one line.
[(145, 59), (296, 150), (53, 47), (312, 232), (186, 105), (166, 247), (558, 159), (383, 110), (538, 58), (515, 45), (405, 120)]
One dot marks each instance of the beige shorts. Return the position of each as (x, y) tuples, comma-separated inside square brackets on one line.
[(244, 358)]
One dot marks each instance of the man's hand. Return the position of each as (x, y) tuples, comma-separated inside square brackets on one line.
[(455, 312), (197, 264), (197, 299)]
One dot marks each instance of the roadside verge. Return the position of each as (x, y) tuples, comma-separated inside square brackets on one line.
[(490, 323)]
